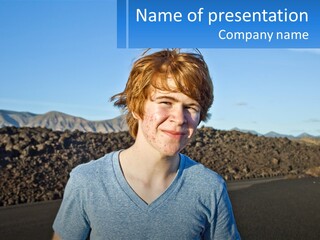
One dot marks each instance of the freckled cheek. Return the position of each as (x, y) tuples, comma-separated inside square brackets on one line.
[(149, 127), (157, 117), (150, 120)]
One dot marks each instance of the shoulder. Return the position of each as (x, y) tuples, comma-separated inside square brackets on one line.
[(97, 165), (93, 170), (201, 172), (204, 178)]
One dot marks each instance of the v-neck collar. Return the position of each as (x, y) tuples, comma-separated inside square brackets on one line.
[(134, 196)]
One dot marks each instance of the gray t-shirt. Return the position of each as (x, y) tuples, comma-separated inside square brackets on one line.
[(99, 201)]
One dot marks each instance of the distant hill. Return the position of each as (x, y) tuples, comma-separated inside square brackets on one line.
[(277, 135), (247, 131), (305, 135), (59, 121)]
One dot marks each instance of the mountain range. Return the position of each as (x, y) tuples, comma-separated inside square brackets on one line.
[(59, 121), (277, 135)]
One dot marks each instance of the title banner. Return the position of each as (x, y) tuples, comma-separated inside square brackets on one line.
[(218, 23)]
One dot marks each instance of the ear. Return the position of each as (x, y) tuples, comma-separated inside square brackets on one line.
[(135, 116)]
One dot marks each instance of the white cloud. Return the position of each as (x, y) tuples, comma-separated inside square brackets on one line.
[(241, 104), (307, 50), (313, 120)]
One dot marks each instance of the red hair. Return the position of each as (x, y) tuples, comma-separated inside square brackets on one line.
[(188, 70)]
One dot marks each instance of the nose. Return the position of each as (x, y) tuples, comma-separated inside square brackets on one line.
[(178, 115)]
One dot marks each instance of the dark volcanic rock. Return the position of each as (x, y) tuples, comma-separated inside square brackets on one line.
[(35, 162), (237, 155)]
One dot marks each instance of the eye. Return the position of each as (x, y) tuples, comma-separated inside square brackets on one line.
[(166, 103), (193, 108)]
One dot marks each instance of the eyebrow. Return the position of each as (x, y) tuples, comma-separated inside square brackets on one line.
[(166, 97)]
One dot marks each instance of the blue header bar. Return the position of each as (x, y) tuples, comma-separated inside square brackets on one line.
[(218, 23)]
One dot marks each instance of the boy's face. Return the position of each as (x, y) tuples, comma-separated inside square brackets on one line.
[(169, 122)]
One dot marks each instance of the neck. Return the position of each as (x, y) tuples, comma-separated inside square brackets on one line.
[(147, 172), (150, 164)]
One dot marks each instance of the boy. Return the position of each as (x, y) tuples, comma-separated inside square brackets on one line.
[(150, 190)]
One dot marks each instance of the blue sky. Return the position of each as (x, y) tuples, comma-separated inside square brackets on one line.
[(62, 56)]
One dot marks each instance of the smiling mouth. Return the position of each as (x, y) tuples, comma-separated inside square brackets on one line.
[(175, 134)]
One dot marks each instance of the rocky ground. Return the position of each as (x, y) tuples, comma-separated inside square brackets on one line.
[(35, 162)]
